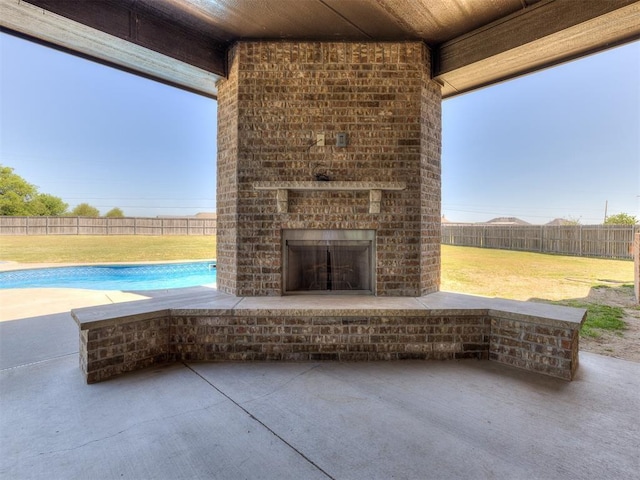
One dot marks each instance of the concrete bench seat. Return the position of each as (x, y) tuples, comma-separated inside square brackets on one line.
[(212, 326)]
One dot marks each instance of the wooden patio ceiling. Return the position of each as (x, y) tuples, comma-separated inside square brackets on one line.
[(474, 43)]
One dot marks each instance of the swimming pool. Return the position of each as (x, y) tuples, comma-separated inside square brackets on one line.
[(114, 277)]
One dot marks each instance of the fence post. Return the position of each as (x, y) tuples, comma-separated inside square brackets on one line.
[(580, 241), (636, 264), (541, 238)]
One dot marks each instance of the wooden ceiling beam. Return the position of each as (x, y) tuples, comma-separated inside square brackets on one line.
[(176, 52), (61, 32), (123, 20), (546, 34)]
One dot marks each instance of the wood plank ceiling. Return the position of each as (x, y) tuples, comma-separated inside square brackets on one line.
[(473, 42)]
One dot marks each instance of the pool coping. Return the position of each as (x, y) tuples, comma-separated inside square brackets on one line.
[(9, 265)]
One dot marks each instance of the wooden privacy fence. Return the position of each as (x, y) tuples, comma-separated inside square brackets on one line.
[(606, 241), (106, 226)]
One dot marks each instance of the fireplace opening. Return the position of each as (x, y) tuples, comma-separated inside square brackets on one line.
[(329, 262)]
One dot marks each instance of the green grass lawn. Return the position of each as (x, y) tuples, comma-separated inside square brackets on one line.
[(527, 275), (500, 273), (493, 273), (112, 248), (599, 318), (534, 276)]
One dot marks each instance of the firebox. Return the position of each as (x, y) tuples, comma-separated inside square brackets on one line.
[(320, 262)]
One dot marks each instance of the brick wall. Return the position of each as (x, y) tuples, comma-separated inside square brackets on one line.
[(276, 98), (261, 336), (109, 351), (547, 347), (227, 185), (115, 349)]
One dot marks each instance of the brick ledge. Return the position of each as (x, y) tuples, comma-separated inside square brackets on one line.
[(217, 327)]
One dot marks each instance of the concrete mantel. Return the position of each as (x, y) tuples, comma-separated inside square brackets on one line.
[(374, 188), (335, 186)]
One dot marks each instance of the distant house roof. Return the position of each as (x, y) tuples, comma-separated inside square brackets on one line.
[(507, 221), (561, 221), (197, 215), (206, 215)]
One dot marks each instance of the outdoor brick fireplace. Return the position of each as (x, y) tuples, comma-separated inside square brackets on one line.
[(311, 223), (328, 261), (276, 175), (328, 184)]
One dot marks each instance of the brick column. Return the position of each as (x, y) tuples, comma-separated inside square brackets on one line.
[(277, 98)]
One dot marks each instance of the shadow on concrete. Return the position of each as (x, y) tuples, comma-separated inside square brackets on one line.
[(36, 339)]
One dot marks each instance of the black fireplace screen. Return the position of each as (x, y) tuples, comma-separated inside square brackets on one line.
[(328, 266)]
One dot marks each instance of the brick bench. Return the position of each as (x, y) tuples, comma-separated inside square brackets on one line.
[(119, 338)]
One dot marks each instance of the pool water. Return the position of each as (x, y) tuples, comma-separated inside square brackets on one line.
[(114, 277)]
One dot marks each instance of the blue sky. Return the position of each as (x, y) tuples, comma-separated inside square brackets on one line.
[(558, 143), (562, 142), (89, 133)]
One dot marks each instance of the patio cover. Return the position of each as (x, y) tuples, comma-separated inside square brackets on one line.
[(473, 43)]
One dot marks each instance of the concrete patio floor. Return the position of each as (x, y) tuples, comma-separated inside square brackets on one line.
[(403, 420)]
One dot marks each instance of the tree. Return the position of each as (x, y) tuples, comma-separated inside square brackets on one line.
[(45, 204), (85, 210), (114, 213), (621, 219), (15, 193), (572, 220), (20, 198)]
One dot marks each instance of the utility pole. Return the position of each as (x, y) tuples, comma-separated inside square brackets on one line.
[(606, 204)]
